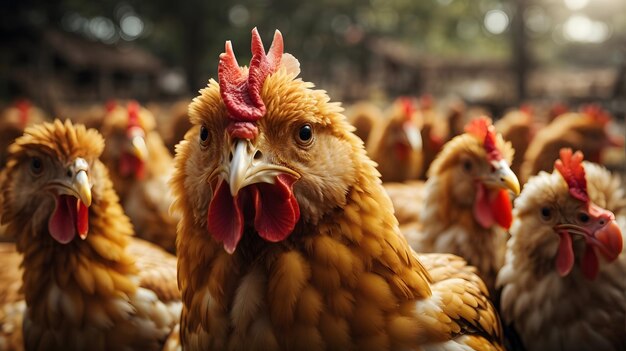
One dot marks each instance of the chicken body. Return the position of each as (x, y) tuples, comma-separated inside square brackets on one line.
[(464, 207), (140, 166), (364, 116), (581, 131), (395, 143), (325, 267), (87, 284), (565, 310), (516, 127), (13, 120)]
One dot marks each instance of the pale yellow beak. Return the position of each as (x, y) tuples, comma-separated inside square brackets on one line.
[(76, 183), (250, 166), (503, 177), (139, 148), (82, 187)]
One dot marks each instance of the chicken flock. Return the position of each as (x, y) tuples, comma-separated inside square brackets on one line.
[(283, 224)]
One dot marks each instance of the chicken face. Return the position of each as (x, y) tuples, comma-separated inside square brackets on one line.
[(50, 182), (126, 151), (478, 174), (560, 224), (293, 163)]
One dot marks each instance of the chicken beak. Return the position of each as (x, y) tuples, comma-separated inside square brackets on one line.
[(250, 166), (413, 136), (606, 233), (139, 148), (82, 187), (503, 177)]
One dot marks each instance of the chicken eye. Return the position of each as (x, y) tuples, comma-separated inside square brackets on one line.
[(204, 134), (467, 165), (36, 166), (305, 135), (583, 217), (546, 213)]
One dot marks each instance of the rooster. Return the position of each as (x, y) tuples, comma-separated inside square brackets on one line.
[(287, 238), (464, 206), (586, 131), (564, 280), (140, 166), (87, 283), (395, 143)]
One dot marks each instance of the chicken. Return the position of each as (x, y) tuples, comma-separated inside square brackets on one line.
[(13, 121), (87, 283), (586, 131), (563, 282), (140, 166), (516, 127), (287, 239), (395, 143), (364, 116), (465, 207), (178, 124)]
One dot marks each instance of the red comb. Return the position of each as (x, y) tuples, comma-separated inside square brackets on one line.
[(110, 105), (558, 109), (242, 94), (571, 168), (596, 113), (133, 114), (482, 129), (23, 106), (408, 107)]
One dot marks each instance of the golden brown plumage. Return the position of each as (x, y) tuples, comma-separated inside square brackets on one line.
[(585, 131), (463, 207), (516, 127), (343, 277), (178, 124), (13, 120), (395, 142), (140, 166), (87, 283), (364, 116), (559, 289)]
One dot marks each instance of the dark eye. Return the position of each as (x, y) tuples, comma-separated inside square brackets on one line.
[(305, 135), (204, 134), (583, 217), (36, 166), (467, 165), (546, 213)]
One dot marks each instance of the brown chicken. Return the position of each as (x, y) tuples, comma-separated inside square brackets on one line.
[(465, 207), (288, 241), (586, 131), (140, 167), (87, 283), (517, 127), (178, 124), (364, 116), (564, 281), (395, 143), (12, 123)]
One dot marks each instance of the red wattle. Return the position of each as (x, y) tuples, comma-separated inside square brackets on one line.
[(82, 220), (590, 265), (501, 209), (276, 209), (565, 254), (225, 218)]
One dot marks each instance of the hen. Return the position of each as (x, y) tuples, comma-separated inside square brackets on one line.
[(464, 206), (564, 280), (87, 283), (140, 167), (586, 131), (516, 127), (288, 240), (364, 116), (395, 143), (12, 123)]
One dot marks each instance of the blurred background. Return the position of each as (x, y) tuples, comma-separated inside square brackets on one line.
[(497, 53)]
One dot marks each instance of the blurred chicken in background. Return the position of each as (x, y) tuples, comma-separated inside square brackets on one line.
[(13, 120), (140, 167)]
